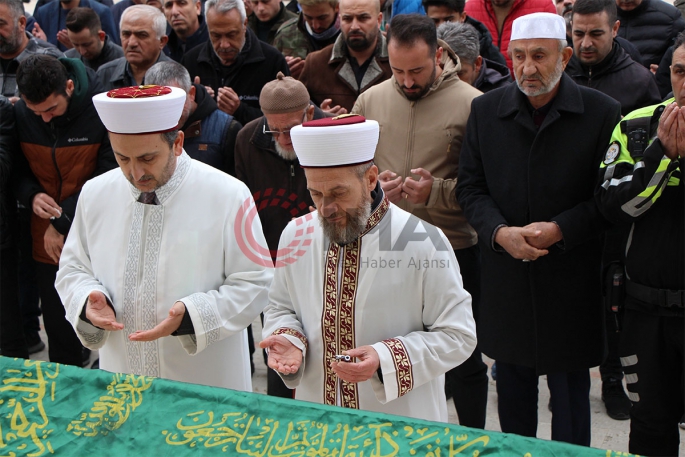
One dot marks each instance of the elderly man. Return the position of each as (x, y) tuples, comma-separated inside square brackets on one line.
[(188, 27), (357, 60), (418, 158), (143, 36), (163, 289), (64, 145), (483, 74), (528, 192), (233, 63), (601, 63), (641, 185), (267, 17), (499, 15), (331, 331), (91, 43), (16, 44), (209, 134), (266, 162), (315, 27), (367, 314)]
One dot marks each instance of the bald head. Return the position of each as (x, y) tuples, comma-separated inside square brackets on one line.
[(360, 22), (372, 7)]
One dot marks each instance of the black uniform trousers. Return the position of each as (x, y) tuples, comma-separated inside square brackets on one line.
[(468, 383), (652, 357), (517, 392), (64, 345), (12, 341)]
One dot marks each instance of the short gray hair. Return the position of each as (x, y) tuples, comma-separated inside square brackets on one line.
[(361, 169), (16, 8), (224, 6), (167, 73), (169, 137), (147, 12), (462, 38)]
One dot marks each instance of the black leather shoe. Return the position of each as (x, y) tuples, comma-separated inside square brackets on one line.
[(615, 400)]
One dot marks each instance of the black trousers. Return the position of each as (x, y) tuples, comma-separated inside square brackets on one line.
[(29, 296), (12, 341), (652, 357), (64, 345), (274, 384), (468, 383), (517, 391)]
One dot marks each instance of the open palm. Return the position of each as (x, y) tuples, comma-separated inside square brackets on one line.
[(284, 356)]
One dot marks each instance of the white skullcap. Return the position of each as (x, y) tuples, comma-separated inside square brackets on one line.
[(333, 142), (538, 25), (140, 109)]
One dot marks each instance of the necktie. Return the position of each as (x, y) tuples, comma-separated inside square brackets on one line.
[(149, 198)]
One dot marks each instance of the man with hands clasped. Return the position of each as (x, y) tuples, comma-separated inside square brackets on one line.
[(528, 190)]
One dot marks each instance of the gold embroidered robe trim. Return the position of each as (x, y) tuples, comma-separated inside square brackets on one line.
[(337, 320), (400, 356), (292, 332)]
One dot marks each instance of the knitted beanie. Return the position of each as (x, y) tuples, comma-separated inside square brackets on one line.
[(283, 95)]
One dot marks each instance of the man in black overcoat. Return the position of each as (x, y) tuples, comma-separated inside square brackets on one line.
[(526, 182)]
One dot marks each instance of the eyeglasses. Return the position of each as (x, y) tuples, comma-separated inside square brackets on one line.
[(277, 133)]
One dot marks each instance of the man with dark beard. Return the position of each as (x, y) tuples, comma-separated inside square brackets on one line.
[(526, 185), (357, 60), (366, 285), (418, 155), (16, 44)]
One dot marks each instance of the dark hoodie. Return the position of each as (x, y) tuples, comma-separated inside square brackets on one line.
[(210, 133), (492, 76), (619, 77), (61, 155)]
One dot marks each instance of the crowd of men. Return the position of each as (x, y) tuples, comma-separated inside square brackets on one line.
[(531, 147)]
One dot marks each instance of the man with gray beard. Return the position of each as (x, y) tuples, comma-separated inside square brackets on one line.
[(266, 162), (528, 191), (369, 311)]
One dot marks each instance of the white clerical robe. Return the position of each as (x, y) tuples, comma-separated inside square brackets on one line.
[(397, 288), (146, 257)]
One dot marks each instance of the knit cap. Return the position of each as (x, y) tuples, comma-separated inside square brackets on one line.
[(283, 95)]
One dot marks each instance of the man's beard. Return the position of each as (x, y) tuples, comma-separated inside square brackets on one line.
[(361, 43), (545, 87), (424, 89), (11, 44), (284, 153), (355, 223)]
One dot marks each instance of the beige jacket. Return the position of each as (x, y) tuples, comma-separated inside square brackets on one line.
[(427, 133)]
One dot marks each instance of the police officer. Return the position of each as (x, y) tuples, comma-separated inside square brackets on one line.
[(641, 184)]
